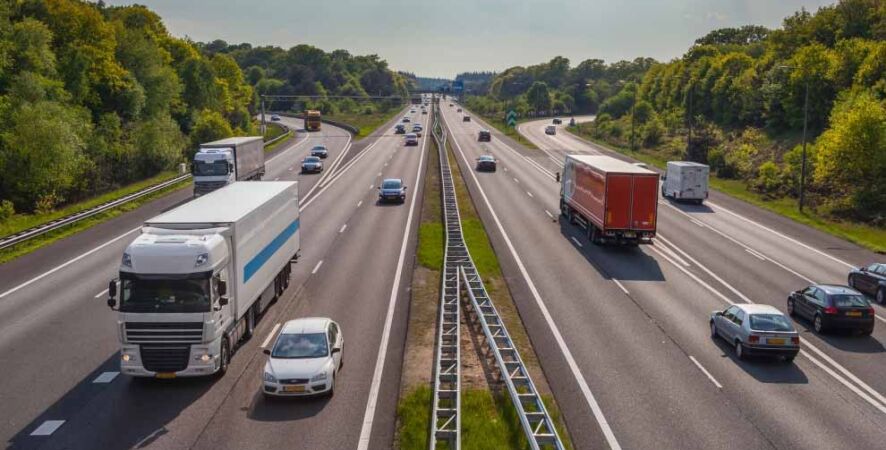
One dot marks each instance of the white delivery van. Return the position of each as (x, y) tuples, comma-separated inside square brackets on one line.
[(686, 180)]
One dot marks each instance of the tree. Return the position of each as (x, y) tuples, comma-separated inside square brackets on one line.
[(538, 96), (210, 126)]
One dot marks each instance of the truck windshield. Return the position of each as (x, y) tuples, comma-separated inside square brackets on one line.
[(210, 168), (173, 295)]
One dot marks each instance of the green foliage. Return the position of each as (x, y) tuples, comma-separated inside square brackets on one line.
[(538, 96), (7, 210), (653, 133), (209, 126)]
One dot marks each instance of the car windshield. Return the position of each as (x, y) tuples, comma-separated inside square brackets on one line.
[(301, 345), (485, 158), (210, 168), (162, 294), (391, 185), (849, 301), (770, 322), (312, 159), (319, 148)]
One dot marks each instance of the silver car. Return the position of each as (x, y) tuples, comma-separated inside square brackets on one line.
[(753, 329)]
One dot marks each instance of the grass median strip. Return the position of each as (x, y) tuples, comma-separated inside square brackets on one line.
[(365, 123)]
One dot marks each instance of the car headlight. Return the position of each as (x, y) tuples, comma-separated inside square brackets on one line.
[(319, 377), (269, 378)]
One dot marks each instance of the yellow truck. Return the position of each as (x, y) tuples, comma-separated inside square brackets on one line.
[(312, 120)]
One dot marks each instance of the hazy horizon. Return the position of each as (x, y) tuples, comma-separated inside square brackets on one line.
[(434, 40)]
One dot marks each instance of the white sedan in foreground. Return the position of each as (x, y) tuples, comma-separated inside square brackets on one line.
[(305, 358)]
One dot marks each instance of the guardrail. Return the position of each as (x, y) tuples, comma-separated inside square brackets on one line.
[(534, 417), (282, 136), (30, 233), (446, 416)]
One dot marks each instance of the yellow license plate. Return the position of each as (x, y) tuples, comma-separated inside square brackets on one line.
[(293, 388), (165, 375), (854, 313), (775, 341)]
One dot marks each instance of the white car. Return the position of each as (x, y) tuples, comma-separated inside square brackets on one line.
[(305, 358), (550, 129)]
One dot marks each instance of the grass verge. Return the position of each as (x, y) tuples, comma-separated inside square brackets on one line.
[(365, 123), (43, 240), (866, 236), (512, 133)]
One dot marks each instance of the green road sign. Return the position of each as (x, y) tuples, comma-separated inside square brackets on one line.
[(511, 118)]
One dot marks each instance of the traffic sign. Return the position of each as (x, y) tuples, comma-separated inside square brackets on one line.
[(511, 118)]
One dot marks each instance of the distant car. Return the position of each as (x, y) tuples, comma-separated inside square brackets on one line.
[(753, 329), (550, 129), (870, 280), (411, 139), (275, 118), (557, 121), (424, 111), (312, 164), (830, 306), (486, 163), (466, 119), (406, 119), (450, 104), (320, 151), (484, 136), (392, 190), (305, 358), (458, 110), (412, 111), (400, 129), (417, 129)]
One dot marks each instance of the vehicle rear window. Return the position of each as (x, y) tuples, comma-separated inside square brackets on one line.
[(849, 301), (770, 322), (312, 159)]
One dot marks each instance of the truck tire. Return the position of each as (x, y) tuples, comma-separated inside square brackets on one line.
[(250, 322), (224, 358), (593, 234)]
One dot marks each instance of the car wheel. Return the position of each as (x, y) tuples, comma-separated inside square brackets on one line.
[(739, 350), (224, 358), (817, 324), (713, 330), (331, 391), (791, 310), (881, 295)]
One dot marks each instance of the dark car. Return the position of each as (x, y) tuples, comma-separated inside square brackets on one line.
[(870, 280), (312, 164), (466, 119), (392, 190), (830, 306), (484, 136), (486, 163), (320, 151), (400, 129), (458, 110), (557, 121)]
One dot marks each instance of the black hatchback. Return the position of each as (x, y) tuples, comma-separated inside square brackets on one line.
[(870, 280), (830, 306)]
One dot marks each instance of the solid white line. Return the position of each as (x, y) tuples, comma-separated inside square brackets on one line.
[(549, 214), (705, 371), (270, 335), (662, 246), (697, 222), (558, 337), (297, 144), (68, 263), (576, 242), (342, 229), (369, 415), (105, 377), (843, 381), (317, 267), (47, 428), (338, 175), (101, 294), (755, 254), (621, 286)]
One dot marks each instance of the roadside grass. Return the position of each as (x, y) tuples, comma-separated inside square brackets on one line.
[(512, 133), (431, 239), (414, 416), (274, 131), (365, 123), (866, 236), (38, 242)]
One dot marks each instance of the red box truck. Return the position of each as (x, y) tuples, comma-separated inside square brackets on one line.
[(616, 201)]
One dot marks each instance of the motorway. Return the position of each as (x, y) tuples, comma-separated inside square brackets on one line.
[(59, 344), (622, 333)]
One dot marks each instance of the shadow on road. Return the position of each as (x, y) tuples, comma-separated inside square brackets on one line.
[(689, 207), (270, 409), (765, 369), (845, 340), (612, 261)]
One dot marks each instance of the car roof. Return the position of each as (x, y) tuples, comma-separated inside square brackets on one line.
[(319, 146), (392, 179), (412, 135), (756, 308), (832, 289), (306, 325)]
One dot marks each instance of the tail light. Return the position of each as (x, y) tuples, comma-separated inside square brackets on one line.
[(795, 340), (871, 311), (830, 310), (753, 339)]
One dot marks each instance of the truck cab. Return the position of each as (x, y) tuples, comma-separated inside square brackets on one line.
[(213, 168)]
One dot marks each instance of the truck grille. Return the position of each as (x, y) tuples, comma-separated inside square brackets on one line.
[(164, 332), (165, 358), (209, 186)]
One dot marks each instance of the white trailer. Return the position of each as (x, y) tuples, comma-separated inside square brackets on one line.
[(686, 180), (220, 163), (196, 280)]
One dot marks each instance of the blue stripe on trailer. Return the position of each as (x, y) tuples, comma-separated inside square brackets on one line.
[(265, 254)]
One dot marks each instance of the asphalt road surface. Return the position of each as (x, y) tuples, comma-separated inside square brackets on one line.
[(622, 333)]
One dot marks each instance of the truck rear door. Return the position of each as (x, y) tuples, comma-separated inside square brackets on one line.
[(644, 202), (618, 202)]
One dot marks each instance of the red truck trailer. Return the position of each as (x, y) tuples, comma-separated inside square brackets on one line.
[(616, 201)]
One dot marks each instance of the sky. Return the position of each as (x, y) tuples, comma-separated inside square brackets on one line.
[(445, 37)]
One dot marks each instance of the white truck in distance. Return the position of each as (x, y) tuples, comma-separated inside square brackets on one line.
[(686, 181), (220, 163), (193, 284)]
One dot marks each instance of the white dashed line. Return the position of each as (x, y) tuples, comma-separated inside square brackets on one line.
[(576, 242), (47, 428), (516, 180), (755, 254), (359, 203), (317, 267), (277, 179), (343, 227), (105, 377), (371, 186), (705, 371), (270, 335), (101, 294), (529, 194), (379, 174), (621, 286), (549, 214)]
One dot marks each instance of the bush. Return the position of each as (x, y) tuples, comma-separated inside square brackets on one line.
[(768, 178), (653, 133), (7, 210)]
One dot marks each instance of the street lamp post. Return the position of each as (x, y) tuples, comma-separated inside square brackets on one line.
[(805, 124)]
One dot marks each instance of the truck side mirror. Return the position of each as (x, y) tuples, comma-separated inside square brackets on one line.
[(112, 303), (222, 301), (222, 287), (112, 289)]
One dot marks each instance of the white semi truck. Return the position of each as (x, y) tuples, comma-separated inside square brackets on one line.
[(197, 278), (220, 163)]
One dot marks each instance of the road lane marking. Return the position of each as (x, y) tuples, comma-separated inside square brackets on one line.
[(342, 229), (47, 428), (549, 214), (359, 203), (101, 294), (555, 330), (369, 415), (270, 335), (695, 221), (69, 262), (529, 194), (661, 245), (105, 377), (842, 381), (705, 371), (317, 267), (277, 179), (755, 254), (371, 186), (379, 174), (621, 286), (516, 180), (576, 241)]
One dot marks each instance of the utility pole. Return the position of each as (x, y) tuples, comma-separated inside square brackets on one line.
[(803, 159), (263, 123), (689, 140)]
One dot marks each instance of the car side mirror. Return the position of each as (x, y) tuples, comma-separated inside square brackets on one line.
[(863, 269), (112, 288), (405, 187), (336, 350), (266, 351)]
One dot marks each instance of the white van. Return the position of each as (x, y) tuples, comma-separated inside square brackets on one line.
[(686, 180)]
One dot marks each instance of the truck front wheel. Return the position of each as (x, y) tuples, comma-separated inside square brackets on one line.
[(250, 322), (224, 358)]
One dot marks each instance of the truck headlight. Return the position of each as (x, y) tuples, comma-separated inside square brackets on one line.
[(319, 377), (127, 260), (269, 378), (205, 357), (125, 357)]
